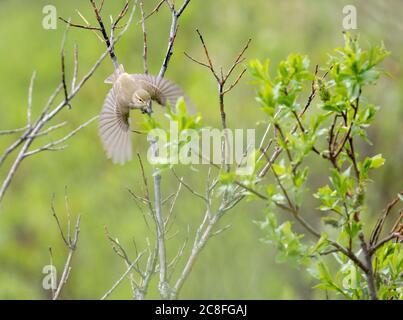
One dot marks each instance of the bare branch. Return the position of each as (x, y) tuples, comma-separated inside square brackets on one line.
[(51, 100), (144, 38), (63, 71), (31, 86), (381, 221), (158, 6), (75, 71), (121, 15), (197, 61), (206, 52), (108, 42), (173, 264), (12, 131), (221, 81), (180, 11), (392, 236), (219, 231), (239, 59), (159, 219), (171, 209), (50, 129), (71, 244), (172, 37), (235, 82), (187, 186), (88, 25), (75, 25), (119, 281), (58, 222), (51, 146)]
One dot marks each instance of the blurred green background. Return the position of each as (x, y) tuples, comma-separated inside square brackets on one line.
[(234, 265)]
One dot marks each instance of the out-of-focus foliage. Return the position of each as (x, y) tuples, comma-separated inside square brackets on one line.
[(233, 265)]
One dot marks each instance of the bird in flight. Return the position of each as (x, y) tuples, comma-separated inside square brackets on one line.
[(128, 92)]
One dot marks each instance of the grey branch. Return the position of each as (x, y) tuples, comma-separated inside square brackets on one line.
[(51, 129), (70, 242), (31, 87), (52, 145), (12, 131), (159, 219), (119, 281), (145, 47)]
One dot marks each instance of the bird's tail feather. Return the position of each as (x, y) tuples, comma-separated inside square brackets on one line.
[(115, 74)]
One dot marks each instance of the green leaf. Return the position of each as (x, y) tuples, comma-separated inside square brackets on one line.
[(321, 244), (377, 161), (331, 221), (279, 169), (259, 70)]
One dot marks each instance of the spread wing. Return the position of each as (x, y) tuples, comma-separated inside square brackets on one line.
[(163, 90), (114, 130)]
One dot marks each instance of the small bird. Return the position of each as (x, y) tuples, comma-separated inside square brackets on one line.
[(130, 91)]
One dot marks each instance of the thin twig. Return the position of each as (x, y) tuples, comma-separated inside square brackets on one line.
[(144, 38), (373, 249), (75, 25), (379, 224), (12, 131), (75, 71), (118, 282), (157, 7), (51, 146), (70, 242), (63, 71), (50, 129), (31, 86), (187, 186), (108, 42)]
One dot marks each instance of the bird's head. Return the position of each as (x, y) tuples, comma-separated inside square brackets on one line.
[(140, 98)]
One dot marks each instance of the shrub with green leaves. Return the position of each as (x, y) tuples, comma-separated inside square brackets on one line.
[(339, 244), (342, 248)]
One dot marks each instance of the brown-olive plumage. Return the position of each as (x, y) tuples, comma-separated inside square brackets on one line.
[(130, 91)]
